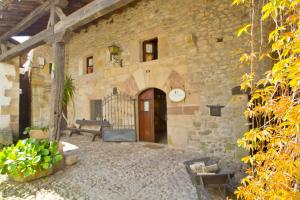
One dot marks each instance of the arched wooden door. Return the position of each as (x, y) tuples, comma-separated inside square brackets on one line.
[(152, 116), (146, 116)]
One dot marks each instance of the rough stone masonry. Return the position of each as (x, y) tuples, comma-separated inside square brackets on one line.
[(9, 103), (197, 52)]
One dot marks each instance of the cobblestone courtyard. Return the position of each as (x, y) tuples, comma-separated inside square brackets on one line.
[(112, 171)]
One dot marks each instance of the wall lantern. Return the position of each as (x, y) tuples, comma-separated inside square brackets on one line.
[(114, 51)]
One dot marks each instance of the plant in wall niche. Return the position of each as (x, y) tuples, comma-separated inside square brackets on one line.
[(27, 130), (37, 132), (29, 159), (274, 107)]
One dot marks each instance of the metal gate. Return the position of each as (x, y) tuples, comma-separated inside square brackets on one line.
[(119, 110)]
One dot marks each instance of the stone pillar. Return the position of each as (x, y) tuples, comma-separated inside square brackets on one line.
[(9, 103)]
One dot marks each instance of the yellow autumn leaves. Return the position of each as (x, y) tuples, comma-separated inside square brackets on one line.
[(274, 140)]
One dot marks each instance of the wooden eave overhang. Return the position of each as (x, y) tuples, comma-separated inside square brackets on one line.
[(33, 18)]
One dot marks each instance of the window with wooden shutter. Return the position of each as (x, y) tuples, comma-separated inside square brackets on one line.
[(150, 50), (89, 65), (96, 109)]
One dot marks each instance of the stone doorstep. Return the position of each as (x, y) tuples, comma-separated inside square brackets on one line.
[(154, 145)]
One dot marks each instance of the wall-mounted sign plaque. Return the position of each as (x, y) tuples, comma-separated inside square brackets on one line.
[(177, 95), (146, 106)]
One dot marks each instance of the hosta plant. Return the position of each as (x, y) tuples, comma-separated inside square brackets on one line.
[(29, 157)]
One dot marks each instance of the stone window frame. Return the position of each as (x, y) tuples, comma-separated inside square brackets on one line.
[(155, 54), (89, 69)]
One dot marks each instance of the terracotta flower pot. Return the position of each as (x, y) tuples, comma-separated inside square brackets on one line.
[(39, 134)]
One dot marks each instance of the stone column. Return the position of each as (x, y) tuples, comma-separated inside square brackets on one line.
[(9, 103)]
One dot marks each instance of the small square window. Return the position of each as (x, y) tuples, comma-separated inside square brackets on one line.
[(50, 68), (89, 65), (150, 50)]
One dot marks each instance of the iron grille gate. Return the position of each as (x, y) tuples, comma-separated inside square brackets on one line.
[(119, 110)]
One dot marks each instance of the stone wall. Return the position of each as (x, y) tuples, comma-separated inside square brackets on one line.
[(41, 87), (197, 52), (9, 102)]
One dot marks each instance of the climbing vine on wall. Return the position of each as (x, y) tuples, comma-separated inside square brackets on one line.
[(274, 107)]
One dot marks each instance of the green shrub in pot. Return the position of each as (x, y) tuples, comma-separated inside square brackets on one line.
[(28, 129), (29, 157)]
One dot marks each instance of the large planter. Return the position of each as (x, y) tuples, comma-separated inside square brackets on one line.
[(37, 175), (32, 153), (38, 134)]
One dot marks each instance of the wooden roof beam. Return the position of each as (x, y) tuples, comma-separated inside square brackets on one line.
[(32, 18), (31, 43), (84, 15), (90, 12), (60, 13)]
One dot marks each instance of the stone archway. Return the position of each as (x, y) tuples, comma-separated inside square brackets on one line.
[(160, 78)]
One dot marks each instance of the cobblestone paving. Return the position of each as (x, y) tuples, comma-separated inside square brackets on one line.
[(108, 171)]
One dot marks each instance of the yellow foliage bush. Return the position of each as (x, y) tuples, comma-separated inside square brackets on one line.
[(274, 140)]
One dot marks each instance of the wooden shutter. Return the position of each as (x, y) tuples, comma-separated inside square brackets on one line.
[(150, 50), (89, 65), (96, 109)]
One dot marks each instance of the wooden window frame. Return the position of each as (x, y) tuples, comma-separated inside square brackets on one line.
[(88, 66), (93, 115), (154, 54), (50, 68)]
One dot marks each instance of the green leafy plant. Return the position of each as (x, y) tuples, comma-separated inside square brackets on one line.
[(45, 128), (28, 129), (28, 157), (69, 92)]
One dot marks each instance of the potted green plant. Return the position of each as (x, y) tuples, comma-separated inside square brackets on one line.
[(30, 159), (37, 133), (69, 92)]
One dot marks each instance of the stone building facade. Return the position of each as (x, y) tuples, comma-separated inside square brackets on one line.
[(198, 52)]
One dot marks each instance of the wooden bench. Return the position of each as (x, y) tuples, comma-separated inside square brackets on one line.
[(83, 122), (221, 178)]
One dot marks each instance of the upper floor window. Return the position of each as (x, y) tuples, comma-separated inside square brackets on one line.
[(89, 65), (150, 50)]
